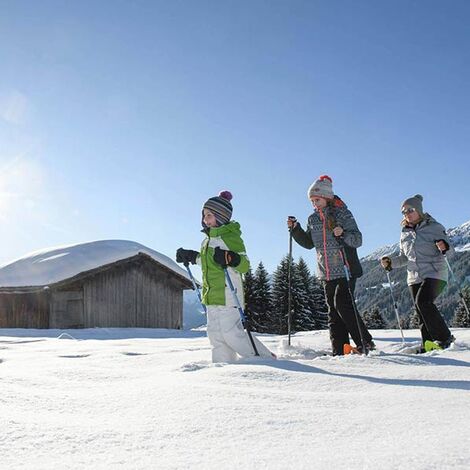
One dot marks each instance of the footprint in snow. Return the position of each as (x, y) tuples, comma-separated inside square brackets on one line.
[(74, 356), (193, 366)]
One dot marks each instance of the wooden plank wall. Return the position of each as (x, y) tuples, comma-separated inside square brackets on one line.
[(24, 310), (159, 301), (133, 296), (66, 309), (109, 299)]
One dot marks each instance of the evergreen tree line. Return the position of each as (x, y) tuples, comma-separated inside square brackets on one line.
[(267, 299)]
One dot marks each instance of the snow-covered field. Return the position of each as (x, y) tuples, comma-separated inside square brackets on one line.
[(150, 399)]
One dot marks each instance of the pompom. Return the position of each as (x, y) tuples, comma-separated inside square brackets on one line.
[(325, 177), (419, 197), (226, 195)]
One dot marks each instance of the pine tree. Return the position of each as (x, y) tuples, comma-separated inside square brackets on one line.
[(280, 297), (278, 318), (461, 318), (375, 320), (303, 296), (248, 287), (304, 318), (319, 302), (315, 308), (261, 304)]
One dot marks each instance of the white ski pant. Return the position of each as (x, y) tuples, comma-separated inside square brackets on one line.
[(228, 337)]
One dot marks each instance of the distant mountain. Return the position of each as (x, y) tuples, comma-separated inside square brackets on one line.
[(373, 291), (460, 237)]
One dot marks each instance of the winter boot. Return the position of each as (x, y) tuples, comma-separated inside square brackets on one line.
[(431, 345), (370, 346), (348, 349), (445, 344)]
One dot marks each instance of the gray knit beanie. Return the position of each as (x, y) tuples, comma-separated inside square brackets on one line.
[(416, 202), (221, 207), (322, 187)]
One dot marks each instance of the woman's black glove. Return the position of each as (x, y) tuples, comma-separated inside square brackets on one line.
[(442, 246), (186, 256), (386, 263), (226, 257)]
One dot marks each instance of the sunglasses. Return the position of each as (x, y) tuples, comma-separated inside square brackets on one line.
[(408, 210)]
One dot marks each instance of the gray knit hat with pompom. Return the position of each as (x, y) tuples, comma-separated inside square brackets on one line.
[(416, 202)]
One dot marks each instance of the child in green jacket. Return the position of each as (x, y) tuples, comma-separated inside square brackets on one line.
[(222, 248)]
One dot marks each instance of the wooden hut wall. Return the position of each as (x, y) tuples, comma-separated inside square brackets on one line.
[(66, 309), (159, 301), (132, 296), (28, 310)]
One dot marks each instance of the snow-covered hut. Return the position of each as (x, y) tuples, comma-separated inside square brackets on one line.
[(109, 283)]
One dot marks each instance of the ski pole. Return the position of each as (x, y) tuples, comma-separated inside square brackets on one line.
[(351, 295), (289, 282), (240, 311), (457, 284), (395, 306), (196, 288)]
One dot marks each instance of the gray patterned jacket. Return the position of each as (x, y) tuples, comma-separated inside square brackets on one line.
[(328, 248), (419, 252)]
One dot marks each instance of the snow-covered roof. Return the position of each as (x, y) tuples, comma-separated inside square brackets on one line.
[(52, 265)]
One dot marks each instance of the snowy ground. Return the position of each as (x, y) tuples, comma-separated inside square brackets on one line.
[(150, 399)]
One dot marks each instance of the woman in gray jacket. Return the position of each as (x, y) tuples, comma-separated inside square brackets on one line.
[(423, 243)]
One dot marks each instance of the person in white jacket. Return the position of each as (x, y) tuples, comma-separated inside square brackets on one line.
[(423, 243)]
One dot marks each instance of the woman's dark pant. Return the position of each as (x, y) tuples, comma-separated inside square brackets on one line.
[(432, 325), (341, 317)]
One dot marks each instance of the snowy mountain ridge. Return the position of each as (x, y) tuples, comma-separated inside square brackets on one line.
[(459, 237)]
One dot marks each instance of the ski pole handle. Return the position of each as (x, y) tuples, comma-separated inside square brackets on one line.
[(291, 222)]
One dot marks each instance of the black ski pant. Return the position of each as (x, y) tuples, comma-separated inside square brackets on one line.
[(432, 325), (341, 316)]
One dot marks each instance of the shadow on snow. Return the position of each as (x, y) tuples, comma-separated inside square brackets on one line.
[(298, 367)]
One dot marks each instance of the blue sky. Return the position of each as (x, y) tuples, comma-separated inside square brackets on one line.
[(118, 119)]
